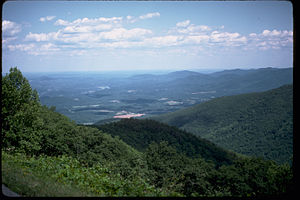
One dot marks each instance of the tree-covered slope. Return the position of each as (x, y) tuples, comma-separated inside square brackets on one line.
[(46, 154), (259, 124), (140, 133), (28, 127)]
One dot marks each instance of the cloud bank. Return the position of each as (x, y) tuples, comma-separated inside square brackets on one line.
[(83, 35)]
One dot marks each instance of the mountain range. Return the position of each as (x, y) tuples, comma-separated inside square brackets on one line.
[(257, 124), (90, 97), (134, 157)]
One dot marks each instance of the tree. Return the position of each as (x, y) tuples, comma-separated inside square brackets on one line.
[(19, 106)]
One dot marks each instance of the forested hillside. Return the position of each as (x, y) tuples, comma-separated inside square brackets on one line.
[(35, 130), (46, 154), (140, 133), (257, 124)]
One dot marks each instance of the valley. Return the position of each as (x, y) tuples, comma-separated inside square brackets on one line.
[(236, 145), (87, 98), (148, 99)]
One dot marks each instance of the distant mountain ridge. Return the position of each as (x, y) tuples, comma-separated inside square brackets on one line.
[(226, 82), (148, 94), (259, 124)]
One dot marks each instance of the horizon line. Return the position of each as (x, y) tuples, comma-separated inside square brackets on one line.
[(144, 70)]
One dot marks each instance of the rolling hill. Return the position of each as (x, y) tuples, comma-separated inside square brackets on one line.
[(44, 153), (257, 124), (141, 133), (148, 94), (226, 82)]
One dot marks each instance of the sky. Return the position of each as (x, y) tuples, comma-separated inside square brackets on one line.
[(56, 36)]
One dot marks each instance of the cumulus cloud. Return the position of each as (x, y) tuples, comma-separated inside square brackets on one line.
[(47, 18), (89, 38), (227, 38), (150, 15), (122, 34), (61, 22), (271, 39), (21, 47), (34, 49), (196, 39), (185, 27), (163, 41), (193, 29), (87, 21), (183, 24), (37, 37), (131, 19), (84, 35), (10, 28), (9, 31)]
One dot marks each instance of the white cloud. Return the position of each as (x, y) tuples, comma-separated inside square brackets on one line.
[(47, 18), (183, 24), (10, 28), (193, 29), (61, 22), (37, 37), (123, 34), (87, 28), (91, 36), (186, 28), (131, 19), (163, 41), (150, 15), (42, 37), (274, 39), (276, 33), (34, 49), (7, 40), (196, 39), (226, 37), (86, 35), (87, 21), (21, 47)]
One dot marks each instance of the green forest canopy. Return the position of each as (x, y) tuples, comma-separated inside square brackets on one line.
[(257, 124), (45, 144)]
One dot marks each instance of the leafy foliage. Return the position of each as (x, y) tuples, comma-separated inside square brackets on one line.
[(140, 133), (37, 130), (41, 147), (19, 108), (258, 124), (97, 180), (254, 177)]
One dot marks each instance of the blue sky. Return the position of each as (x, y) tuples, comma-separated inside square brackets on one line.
[(46, 36)]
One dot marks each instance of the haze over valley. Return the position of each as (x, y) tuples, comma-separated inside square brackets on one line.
[(90, 97)]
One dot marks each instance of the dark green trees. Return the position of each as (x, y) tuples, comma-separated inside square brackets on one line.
[(140, 133), (254, 177), (254, 124), (171, 162), (19, 107), (33, 129), (175, 172)]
